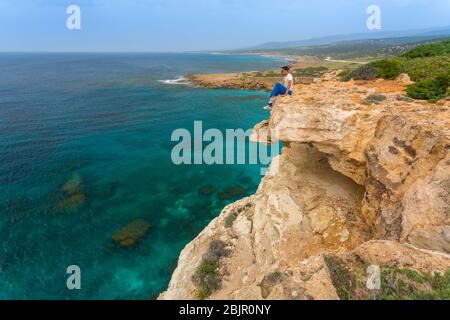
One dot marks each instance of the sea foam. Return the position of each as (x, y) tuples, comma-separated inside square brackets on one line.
[(179, 80)]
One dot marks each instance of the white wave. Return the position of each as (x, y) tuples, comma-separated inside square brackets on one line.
[(179, 80)]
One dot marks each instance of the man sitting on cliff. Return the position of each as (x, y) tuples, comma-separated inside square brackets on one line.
[(280, 89)]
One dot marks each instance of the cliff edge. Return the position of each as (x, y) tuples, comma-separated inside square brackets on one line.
[(363, 183)]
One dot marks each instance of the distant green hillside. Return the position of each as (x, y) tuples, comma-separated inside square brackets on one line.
[(355, 49), (428, 65), (414, 34)]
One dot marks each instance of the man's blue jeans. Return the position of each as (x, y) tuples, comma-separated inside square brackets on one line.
[(278, 90)]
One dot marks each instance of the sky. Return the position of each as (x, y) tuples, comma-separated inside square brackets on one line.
[(191, 25)]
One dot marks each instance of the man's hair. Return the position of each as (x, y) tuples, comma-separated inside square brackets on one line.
[(285, 68)]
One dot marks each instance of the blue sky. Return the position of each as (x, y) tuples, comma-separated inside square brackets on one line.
[(178, 25)]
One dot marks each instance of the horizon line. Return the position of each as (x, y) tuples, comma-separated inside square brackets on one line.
[(221, 51)]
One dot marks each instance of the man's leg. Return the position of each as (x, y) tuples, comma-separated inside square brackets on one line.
[(279, 89)]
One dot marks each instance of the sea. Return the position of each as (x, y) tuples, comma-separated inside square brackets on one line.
[(85, 151)]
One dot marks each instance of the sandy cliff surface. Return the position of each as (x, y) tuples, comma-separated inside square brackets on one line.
[(363, 180)]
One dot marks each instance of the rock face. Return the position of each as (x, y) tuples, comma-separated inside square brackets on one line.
[(241, 81), (357, 183), (246, 81)]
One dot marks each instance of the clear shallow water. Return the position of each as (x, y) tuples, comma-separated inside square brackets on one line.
[(104, 121)]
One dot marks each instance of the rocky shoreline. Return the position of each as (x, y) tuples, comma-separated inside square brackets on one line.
[(257, 80), (238, 81), (363, 183)]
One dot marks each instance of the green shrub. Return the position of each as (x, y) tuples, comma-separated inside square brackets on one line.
[(365, 72), (429, 50), (275, 276), (229, 220), (207, 277), (430, 89), (350, 282), (216, 251), (345, 74), (375, 98), (428, 65), (208, 268), (343, 280), (420, 69), (407, 284), (388, 68)]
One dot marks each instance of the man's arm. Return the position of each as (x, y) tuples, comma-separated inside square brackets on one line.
[(289, 87)]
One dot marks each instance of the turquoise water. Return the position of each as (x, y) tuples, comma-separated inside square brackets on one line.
[(101, 123)]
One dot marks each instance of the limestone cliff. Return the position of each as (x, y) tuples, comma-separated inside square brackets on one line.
[(363, 179)]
